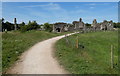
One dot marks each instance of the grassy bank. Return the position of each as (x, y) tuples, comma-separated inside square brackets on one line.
[(93, 54), (0, 53), (15, 43)]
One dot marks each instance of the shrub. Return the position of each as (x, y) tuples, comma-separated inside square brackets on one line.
[(24, 28), (48, 27)]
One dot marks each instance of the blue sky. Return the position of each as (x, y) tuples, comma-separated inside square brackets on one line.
[(60, 0), (60, 11)]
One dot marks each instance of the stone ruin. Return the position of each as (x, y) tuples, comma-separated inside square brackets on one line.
[(80, 26), (105, 25), (64, 27), (60, 27), (15, 24)]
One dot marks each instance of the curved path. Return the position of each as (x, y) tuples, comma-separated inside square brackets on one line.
[(39, 59)]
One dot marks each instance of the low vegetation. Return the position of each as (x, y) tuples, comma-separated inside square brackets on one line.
[(22, 27), (93, 56), (14, 43)]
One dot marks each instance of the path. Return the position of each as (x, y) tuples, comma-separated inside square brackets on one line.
[(39, 60)]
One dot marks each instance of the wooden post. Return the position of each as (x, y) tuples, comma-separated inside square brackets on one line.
[(77, 42), (5, 30), (66, 38), (65, 35), (112, 57)]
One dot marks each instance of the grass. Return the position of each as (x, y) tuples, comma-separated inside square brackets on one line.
[(93, 54), (0, 54), (15, 43)]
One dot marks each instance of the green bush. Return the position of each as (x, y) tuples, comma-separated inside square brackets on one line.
[(48, 27), (116, 25), (24, 28), (31, 26)]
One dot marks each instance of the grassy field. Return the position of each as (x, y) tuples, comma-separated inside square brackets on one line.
[(0, 53), (93, 54), (15, 43)]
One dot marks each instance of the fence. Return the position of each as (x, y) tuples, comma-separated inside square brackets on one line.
[(75, 44)]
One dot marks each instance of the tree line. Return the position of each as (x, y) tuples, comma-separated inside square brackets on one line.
[(33, 25)]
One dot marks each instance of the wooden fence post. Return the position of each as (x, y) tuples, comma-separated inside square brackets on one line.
[(77, 42), (66, 39), (112, 57)]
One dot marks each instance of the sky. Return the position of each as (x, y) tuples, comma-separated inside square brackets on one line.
[(60, 0), (53, 12)]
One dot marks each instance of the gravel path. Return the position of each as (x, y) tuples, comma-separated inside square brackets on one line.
[(39, 60)]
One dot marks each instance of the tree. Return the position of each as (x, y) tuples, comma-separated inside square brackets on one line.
[(33, 25), (116, 25), (9, 26), (3, 20), (24, 28), (30, 26), (88, 25), (48, 27), (20, 25), (3, 24), (0, 25)]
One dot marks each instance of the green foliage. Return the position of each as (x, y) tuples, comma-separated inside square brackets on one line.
[(20, 25), (48, 27), (116, 25), (94, 58), (6, 25), (0, 25), (33, 25), (30, 26), (88, 25), (9, 26), (24, 28)]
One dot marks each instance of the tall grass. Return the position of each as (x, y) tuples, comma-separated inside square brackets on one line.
[(94, 55)]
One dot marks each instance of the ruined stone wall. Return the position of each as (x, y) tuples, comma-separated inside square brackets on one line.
[(80, 26)]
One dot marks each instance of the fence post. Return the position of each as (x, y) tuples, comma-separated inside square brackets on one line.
[(67, 41), (77, 42), (112, 57)]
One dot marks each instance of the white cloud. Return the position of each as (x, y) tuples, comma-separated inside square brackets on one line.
[(115, 6), (49, 6), (60, 0), (77, 6), (92, 4), (92, 7), (78, 11)]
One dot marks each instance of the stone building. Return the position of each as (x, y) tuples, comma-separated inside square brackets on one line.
[(105, 25), (79, 25), (75, 26), (95, 25), (60, 27)]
